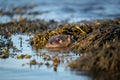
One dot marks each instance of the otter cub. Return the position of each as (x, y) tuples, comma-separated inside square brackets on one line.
[(59, 41)]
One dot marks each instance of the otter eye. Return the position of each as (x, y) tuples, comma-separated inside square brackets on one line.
[(57, 39)]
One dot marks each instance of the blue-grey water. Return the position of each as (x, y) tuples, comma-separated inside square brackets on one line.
[(59, 10), (12, 69), (70, 10)]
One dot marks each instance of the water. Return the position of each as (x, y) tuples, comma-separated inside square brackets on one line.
[(70, 10), (12, 69), (60, 10)]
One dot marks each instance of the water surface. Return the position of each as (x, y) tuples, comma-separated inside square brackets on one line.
[(70, 10), (13, 69), (60, 10)]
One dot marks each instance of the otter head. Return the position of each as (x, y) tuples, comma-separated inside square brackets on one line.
[(59, 41)]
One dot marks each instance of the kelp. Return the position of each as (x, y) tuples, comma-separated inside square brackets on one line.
[(100, 48), (75, 31), (97, 38), (104, 58)]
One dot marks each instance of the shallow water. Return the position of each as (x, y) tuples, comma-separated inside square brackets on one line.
[(12, 68)]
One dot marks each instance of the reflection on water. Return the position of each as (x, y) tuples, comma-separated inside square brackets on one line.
[(61, 50)]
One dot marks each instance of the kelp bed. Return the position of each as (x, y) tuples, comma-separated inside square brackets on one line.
[(100, 48), (97, 40), (75, 31)]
